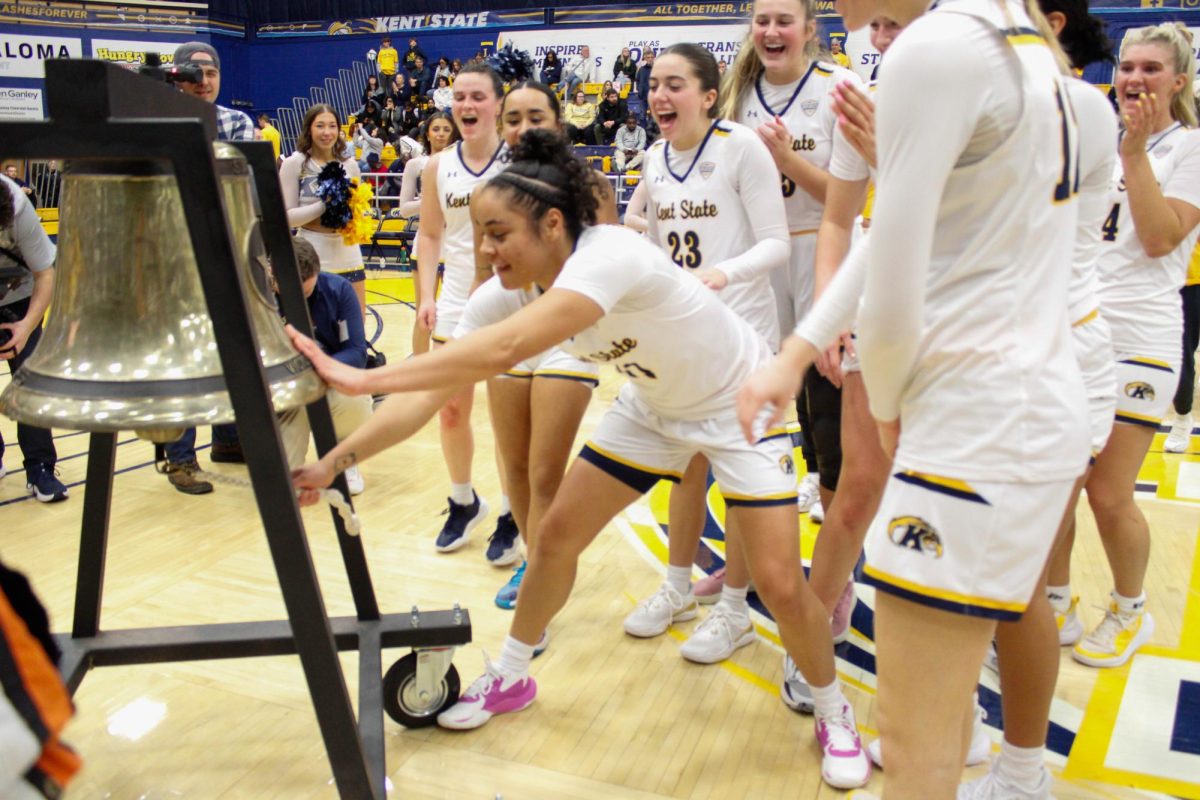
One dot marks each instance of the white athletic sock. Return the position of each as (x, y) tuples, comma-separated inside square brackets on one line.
[(829, 699), (734, 601), (462, 493), (505, 508), (515, 657), (1059, 597), (680, 579), (1129, 605), (1021, 767)]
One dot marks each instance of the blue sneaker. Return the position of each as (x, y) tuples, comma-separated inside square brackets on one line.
[(503, 545), (462, 520), (43, 485), (506, 598)]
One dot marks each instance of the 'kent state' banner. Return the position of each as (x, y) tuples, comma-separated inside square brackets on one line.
[(404, 23)]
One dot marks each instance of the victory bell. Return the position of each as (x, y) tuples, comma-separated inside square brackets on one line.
[(129, 344)]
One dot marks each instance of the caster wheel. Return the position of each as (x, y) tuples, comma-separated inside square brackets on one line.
[(402, 699)]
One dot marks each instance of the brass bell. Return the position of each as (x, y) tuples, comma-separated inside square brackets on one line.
[(129, 344)]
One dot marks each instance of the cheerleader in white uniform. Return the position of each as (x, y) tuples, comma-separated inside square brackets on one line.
[(607, 295), (967, 358), (1145, 241), (714, 207), (446, 235), (319, 143)]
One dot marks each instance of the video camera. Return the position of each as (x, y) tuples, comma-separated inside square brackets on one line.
[(187, 73)]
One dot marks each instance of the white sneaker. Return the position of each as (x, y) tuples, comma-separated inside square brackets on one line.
[(977, 753), (1070, 629), (795, 691), (844, 765), (354, 480), (1180, 436), (1115, 639), (718, 636), (994, 786), (807, 492), (817, 512), (656, 613)]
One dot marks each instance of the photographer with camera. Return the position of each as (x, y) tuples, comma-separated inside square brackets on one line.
[(202, 61), (197, 71), (27, 267)]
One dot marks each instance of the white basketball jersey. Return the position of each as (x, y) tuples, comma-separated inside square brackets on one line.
[(696, 213), (996, 393), (806, 109), (1139, 295), (456, 181), (685, 353), (1097, 157)]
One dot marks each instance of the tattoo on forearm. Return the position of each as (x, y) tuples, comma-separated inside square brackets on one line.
[(345, 462)]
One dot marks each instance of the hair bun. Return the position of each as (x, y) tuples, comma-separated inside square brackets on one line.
[(541, 146)]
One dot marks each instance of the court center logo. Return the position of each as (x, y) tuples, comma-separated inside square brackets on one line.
[(914, 533), (1139, 390)]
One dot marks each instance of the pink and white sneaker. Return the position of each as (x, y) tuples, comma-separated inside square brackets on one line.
[(840, 622), (844, 763), (492, 693)]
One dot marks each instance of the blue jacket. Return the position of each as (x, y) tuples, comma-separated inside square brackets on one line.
[(337, 320)]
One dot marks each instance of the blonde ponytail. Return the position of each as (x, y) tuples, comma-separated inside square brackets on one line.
[(1177, 39), (747, 66)]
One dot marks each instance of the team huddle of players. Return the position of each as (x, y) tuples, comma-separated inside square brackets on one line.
[(958, 368)]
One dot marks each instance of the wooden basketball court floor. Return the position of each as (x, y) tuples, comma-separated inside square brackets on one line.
[(616, 717)]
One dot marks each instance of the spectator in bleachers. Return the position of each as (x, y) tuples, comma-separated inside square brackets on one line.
[(835, 49), (338, 329), (604, 90), (610, 113), (386, 61), (390, 122), (423, 74), (455, 68), (442, 70), (625, 69), (641, 83), (630, 144), (367, 140), (579, 116), (15, 176), (443, 95), (414, 52), (410, 115), (372, 93), (270, 134), (551, 69), (580, 69)]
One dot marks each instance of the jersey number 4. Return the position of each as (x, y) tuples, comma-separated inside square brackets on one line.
[(685, 250), (1109, 228)]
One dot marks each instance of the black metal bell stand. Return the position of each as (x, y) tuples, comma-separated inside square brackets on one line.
[(125, 116)]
